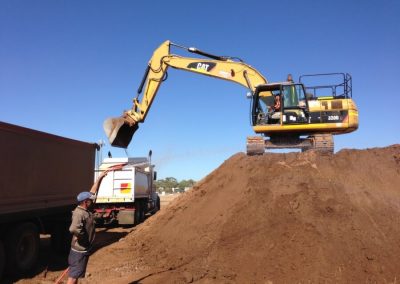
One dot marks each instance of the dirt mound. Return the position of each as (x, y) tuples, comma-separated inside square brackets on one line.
[(277, 218)]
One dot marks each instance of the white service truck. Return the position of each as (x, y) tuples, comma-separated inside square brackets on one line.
[(127, 193)]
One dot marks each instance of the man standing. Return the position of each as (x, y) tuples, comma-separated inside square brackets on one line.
[(83, 232)]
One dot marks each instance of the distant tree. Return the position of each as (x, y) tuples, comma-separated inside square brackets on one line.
[(166, 184), (168, 190), (170, 183), (186, 183)]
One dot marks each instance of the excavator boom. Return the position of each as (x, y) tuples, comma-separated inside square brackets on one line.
[(120, 130)]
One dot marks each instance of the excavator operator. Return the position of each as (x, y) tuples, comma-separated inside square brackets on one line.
[(275, 110), (277, 104)]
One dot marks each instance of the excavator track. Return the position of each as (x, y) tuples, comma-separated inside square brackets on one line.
[(255, 145), (321, 143)]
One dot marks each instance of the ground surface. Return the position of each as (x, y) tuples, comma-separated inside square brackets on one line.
[(277, 218), (51, 265)]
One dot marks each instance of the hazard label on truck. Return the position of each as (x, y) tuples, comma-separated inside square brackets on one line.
[(126, 187)]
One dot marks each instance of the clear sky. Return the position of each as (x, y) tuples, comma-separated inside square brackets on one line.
[(65, 66)]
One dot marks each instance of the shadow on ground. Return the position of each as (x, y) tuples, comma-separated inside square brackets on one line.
[(51, 261)]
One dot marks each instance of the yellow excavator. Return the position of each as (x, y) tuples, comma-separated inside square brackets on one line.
[(286, 114)]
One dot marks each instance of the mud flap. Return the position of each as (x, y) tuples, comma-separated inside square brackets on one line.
[(119, 131), (126, 217)]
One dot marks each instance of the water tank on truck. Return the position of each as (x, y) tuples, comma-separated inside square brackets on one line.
[(127, 193)]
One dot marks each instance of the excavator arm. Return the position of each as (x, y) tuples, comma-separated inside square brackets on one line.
[(120, 130)]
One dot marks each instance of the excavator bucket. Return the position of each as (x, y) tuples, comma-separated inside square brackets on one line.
[(119, 131)]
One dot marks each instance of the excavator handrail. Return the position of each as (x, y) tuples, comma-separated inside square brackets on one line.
[(346, 84)]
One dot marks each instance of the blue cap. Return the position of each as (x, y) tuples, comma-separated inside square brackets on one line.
[(85, 195)]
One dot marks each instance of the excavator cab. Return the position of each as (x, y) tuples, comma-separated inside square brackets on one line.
[(294, 105), (307, 120), (279, 103)]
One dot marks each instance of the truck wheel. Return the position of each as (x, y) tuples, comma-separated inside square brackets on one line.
[(61, 238), (2, 259), (22, 248), (142, 211), (138, 213), (158, 203)]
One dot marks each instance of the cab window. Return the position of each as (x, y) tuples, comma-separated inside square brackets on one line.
[(293, 96)]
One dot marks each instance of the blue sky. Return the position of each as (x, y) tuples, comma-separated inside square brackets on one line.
[(65, 66)]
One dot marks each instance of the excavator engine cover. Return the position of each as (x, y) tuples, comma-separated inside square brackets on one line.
[(119, 131)]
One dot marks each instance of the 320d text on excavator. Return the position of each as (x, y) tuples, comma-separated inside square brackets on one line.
[(284, 114)]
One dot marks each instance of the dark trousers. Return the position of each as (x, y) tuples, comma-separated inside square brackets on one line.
[(77, 262)]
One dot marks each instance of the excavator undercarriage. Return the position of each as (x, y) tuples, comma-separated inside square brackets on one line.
[(322, 143)]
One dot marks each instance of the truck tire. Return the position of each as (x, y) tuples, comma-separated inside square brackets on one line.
[(22, 248), (158, 204), (2, 259), (143, 206), (138, 213)]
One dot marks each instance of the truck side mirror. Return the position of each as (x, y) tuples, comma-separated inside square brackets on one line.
[(155, 175)]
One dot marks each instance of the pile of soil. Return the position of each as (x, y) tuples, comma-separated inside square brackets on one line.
[(276, 218)]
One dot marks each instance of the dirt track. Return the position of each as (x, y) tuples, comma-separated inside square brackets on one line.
[(277, 218)]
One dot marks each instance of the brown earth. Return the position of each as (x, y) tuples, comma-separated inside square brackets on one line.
[(276, 218)]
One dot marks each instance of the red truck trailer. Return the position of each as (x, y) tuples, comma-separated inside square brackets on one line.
[(40, 177)]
